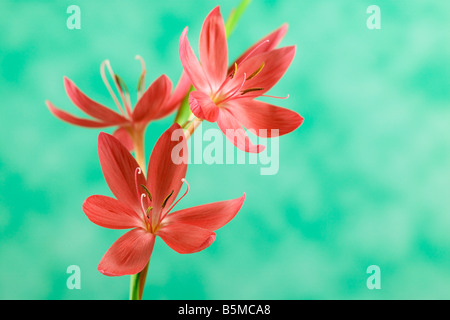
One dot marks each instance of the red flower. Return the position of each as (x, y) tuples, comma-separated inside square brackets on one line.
[(144, 205), (226, 95), (155, 103)]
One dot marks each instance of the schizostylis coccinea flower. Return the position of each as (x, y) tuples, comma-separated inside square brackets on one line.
[(144, 204), (155, 102), (227, 95)]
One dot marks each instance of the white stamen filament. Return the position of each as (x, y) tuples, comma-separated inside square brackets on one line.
[(108, 86), (141, 88), (126, 102), (142, 206), (136, 172)]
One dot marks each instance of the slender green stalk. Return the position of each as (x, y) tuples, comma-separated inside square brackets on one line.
[(184, 112), (134, 287), (234, 16), (137, 280)]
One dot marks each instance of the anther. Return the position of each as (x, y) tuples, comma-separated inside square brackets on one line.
[(254, 74), (250, 90), (167, 199), (141, 81), (147, 192), (173, 205), (148, 211), (234, 71)]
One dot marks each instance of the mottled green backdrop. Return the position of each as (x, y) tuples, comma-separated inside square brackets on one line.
[(364, 181)]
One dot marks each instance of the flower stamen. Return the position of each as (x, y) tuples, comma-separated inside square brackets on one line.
[(250, 90), (147, 192), (254, 74), (234, 71), (108, 86), (275, 97), (173, 205), (136, 172), (141, 82), (166, 199), (142, 205)]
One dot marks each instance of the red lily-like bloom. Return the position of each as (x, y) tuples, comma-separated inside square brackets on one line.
[(154, 103), (144, 205), (226, 95)]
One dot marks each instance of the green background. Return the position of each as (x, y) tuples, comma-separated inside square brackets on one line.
[(364, 181)]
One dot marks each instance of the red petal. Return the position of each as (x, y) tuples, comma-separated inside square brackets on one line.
[(211, 216), (153, 100), (184, 238), (276, 63), (110, 213), (213, 48), (165, 170), (67, 117), (274, 39), (128, 255), (235, 133), (91, 107), (124, 137), (177, 97), (191, 65), (203, 107), (263, 117), (119, 168)]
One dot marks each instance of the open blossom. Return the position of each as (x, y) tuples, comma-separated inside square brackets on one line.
[(226, 94), (154, 103), (145, 204)]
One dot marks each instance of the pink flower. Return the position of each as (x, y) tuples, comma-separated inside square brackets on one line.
[(144, 205), (154, 103), (226, 95)]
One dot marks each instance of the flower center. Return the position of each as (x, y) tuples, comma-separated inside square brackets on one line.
[(236, 91)]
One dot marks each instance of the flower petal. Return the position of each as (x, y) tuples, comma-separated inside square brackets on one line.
[(177, 97), (167, 167), (213, 49), (91, 107), (110, 213), (153, 100), (235, 133), (263, 117), (202, 106), (67, 117), (191, 65), (124, 137), (129, 254), (119, 169), (273, 38), (276, 63), (185, 238), (211, 216)]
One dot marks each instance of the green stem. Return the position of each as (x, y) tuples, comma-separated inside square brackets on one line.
[(234, 17), (138, 280), (184, 112), (134, 287)]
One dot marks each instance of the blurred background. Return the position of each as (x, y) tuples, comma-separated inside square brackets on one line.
[(364, 181)]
